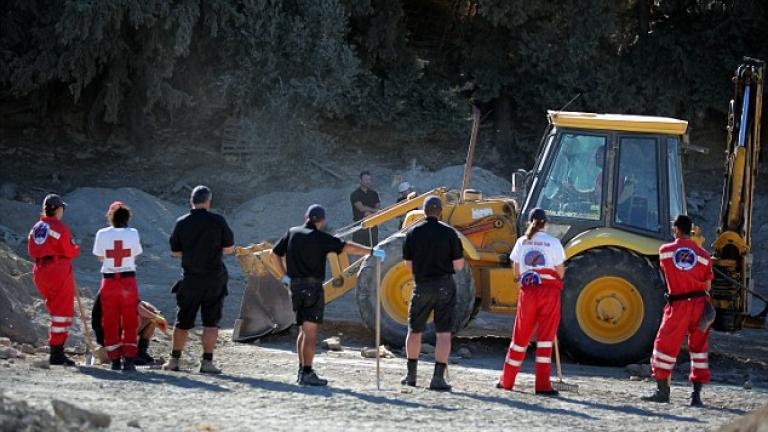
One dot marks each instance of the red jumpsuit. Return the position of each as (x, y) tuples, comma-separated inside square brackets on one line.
[(119, 294), (51, 245), (688, 269), (538, 305)]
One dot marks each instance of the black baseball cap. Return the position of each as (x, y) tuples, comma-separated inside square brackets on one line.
[(537, 214), (432, 202), (52, 202), (315, 213), (684, 223)]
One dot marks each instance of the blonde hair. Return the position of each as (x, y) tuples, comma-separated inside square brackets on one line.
[(534, 226)]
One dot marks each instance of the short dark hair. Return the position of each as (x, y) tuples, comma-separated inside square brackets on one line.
[(684, 224), (120, 217), (365, 173), (433, 211), (200, 195)]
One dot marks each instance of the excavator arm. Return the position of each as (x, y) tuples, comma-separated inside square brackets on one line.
[(732, 249)]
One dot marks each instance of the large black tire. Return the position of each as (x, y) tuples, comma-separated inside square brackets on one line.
[(394, 329), (612, 338)]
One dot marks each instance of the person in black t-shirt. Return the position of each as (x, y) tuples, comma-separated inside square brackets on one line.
[(200, 238), (365, 202), (305, 248), (433, 252)]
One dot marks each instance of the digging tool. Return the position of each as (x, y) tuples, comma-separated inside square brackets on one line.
[(561, 385), (92, 351)]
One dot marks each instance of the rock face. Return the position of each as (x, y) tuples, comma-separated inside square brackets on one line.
[(79, 416), (22, 314)]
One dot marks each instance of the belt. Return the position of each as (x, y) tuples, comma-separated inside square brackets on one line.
[(128, 274), (306, 280), (49, 258), (686, 296)]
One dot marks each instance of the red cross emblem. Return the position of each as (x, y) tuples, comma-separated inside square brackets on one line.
[(118, 253)]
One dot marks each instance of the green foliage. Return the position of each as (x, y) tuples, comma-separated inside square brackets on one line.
[(376, 63)]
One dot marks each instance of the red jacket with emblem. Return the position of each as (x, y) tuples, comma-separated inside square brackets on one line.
[(50, 237), (686, 266)]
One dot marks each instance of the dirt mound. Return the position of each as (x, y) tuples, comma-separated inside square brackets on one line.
[(268, 216), (22, 313)]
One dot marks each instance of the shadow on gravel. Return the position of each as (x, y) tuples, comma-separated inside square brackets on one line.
[(524, 405), (632, 410), (278, 386), (150, 377)]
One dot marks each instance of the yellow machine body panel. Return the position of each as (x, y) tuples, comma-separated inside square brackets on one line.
[(602, 237)]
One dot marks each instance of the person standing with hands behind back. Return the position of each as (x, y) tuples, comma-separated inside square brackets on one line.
[(433, 252), (117, 247), (538, 264), (200, 238)]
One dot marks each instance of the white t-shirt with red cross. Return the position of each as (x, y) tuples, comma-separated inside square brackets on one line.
[(542, 251), (119, 247)]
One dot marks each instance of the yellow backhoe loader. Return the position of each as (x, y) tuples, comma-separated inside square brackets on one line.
[(611, 184)]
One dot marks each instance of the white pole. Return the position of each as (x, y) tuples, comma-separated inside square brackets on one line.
[(378, 323)]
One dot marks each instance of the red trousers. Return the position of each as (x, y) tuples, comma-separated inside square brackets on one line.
[(120, 316), (681, 318), (538, 305), (56, 284)]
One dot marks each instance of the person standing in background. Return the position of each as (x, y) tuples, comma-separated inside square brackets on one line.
[(365, 202)]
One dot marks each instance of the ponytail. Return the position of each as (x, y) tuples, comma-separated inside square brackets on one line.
[(534, 226)]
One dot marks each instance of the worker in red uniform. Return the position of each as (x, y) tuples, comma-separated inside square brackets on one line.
[(51, 246), (537, 261), (688, 271), (117, 247)]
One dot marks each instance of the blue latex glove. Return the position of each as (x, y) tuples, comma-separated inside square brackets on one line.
[(379, 253), (286, 280)]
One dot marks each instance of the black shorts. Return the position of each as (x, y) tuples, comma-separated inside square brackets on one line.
[(200, 293), (438, 296), (308, 300)]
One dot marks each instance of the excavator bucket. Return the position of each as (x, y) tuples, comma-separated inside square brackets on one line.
[(266, 306)]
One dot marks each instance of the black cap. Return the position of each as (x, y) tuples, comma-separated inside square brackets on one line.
[(432, 202), (684, 223), (315, 213), (52, 202), (537, 214)]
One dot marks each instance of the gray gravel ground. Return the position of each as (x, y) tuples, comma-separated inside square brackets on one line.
[(258, 392)]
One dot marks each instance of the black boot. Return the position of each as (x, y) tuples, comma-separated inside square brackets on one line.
[(410, 378), (661, 394), (143, 357), (117, 365), (696, 395), (438, 379), (128, 365), (57, 356)]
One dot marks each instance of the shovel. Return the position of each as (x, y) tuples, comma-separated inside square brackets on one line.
[(561, 385), (92, 352)]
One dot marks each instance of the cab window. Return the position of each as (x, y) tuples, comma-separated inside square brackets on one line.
[(637, 191), (675, 180), (574, 185)]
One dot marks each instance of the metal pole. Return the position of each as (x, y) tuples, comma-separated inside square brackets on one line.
[(471, 150), (378, 313)]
